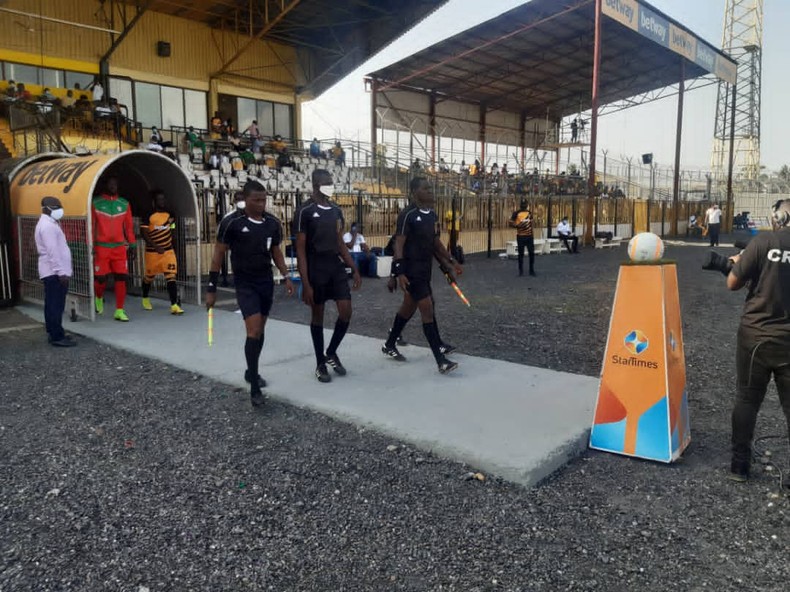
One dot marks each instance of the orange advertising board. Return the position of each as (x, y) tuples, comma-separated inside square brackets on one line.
[(69, 179), (642, 408)]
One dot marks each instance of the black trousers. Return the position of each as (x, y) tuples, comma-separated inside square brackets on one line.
[(54, 305), (529, 243), (571, 243), (713, 234), (755, 363)]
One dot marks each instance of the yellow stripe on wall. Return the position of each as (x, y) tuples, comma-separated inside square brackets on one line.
[(56, 63)]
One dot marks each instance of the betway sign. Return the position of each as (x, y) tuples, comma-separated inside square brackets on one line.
[(654, 26)]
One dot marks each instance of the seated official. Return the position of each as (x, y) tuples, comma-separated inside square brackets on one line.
[(566, 235), (359, 250)]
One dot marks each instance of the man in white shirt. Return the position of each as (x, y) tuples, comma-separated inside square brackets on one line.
[(359, 250), (713, 222), (54, 269), (98, 92), (566, 235)]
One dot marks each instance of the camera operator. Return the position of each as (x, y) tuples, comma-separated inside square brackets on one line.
[(763, 345)]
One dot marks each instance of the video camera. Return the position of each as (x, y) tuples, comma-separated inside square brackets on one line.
[(716, 262)]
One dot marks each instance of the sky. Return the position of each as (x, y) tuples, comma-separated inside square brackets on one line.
[(344, 110)]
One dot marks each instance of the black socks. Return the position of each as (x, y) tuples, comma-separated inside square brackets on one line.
[(317, 333), (172, 291), (337, 336), (397, 328), (432, 335), (252, 351)]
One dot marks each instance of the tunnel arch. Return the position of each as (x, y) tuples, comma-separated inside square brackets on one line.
[(75, 180)]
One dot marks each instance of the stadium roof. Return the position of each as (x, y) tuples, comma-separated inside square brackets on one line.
[(336, 36), (538, 58)]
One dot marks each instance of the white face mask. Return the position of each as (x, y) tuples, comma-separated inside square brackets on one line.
[(327, 190), (56, 214), (241, 204)]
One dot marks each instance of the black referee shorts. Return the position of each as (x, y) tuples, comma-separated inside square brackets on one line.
[(328, 279), (419, 287), (254, 297)]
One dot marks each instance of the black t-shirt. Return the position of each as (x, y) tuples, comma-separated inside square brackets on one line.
[(250, 243), (765, 263), (321, 225), (421, 228)]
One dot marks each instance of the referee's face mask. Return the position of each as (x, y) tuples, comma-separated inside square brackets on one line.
[(327, 190)]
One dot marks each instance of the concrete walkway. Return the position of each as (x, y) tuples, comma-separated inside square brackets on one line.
[(517, 422)]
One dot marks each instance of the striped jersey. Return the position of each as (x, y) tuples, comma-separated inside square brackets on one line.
[(523, 221), (160, 228)]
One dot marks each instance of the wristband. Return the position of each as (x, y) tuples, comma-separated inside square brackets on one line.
[(213, 278), (397, 267)]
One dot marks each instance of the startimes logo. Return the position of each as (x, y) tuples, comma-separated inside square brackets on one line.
[(636, 342)]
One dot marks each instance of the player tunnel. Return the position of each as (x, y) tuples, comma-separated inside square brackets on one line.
[(74, 180)]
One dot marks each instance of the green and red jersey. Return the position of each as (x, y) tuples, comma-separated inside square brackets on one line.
[(111, 217)]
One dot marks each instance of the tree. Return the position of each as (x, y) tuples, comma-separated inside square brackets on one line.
[(784, 173)]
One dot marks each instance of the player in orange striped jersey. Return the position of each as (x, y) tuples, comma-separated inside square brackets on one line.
[(160, 257)]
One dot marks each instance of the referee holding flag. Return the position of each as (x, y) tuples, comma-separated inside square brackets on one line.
[(254, 241)]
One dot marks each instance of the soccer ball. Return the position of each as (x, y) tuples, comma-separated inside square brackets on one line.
[(646, 246)]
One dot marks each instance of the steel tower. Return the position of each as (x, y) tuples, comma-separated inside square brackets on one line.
[(743, 40)]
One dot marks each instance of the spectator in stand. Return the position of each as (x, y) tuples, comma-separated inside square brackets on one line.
[(216, 126), (22, 94), (278, 144), (156, 138), (47, 96), (194, 141), (495, 170), (284, 159), (443, 168), (11, 91), (255, 135), (478, 168), (77, 86), (574, 131), (83, 104), (315, 148), (68, 101), (98, 92), (228, 130), (416, 167), (339, 155)]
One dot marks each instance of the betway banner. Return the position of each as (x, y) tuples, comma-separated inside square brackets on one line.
[(661, 30)]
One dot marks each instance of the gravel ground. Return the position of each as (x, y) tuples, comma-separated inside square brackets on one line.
[(135, 476)]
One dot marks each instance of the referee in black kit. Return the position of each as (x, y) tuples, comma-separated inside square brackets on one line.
[(254, 240), (322, 258), (417, 242)]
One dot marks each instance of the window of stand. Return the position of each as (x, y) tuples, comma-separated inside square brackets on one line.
[(47, 77), (159, 105), (273, 118)]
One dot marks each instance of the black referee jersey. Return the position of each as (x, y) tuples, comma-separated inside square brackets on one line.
[(250, 243), (320, 224), (421, 228)]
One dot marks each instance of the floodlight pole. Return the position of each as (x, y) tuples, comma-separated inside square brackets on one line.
[(673, 224), (731, 165), (588, 217)]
